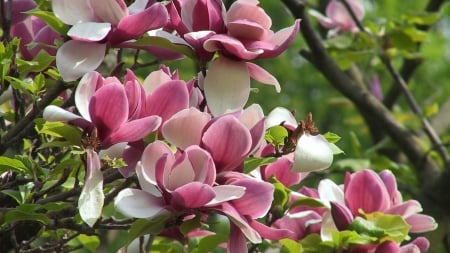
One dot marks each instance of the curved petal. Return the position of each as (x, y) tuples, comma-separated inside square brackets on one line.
[(73, 11), (280, 169), (152, 153), (192, 195), (330, 192), (230, 45), (406, 209), (84, 92), (55, 113), (180, 174), (91, 199), (421, 223), (202, 164), (168, 99), (269, 232), (226, 193), (185, 127), (227, 86), (248, 10), (108, 108), (240, 222), (262, 76), (111, 11), (281, 40), (144, 184), (134, 130), (154, 80), (281, 115), (139, 204), (89, 31), (312, 153), (228, 141), (75, 58), (134, 26)]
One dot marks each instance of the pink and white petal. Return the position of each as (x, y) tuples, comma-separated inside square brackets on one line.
[(89, 31), (90, 203), (251, 115), (240, 222), (226, 193), (234, 145), (108, 108), (202, 164), (55, 113), (75, 58), (257, 199), (134, 26), (323, 20), (236, 242), (145, 184), (84, 92), (111, 11), (192, 195), (152, 153), (154, 80), (227, 86), (137, 6), (262, 76), (281, 115), (270, 232), (180, 174), (421, 223), (339, 14), (246, 30), (134, 130), (250, 11), (139, 204), (406, 209), (185, 127), (168, 99), (72, 12), (229, 45), (281, 40), (280, 169)]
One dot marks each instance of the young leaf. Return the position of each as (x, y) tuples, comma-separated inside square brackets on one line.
[(55, 23)]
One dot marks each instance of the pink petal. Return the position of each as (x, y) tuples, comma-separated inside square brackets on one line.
[(18, 7), (134, 130), (180, 174), (111, 11), (257, 199), (388, 246), (236, 242), (262, 76), (192, 195), (75, 58), (185, 127), (391, 185), (207, 15), (152, 153), (421, 223), (227, 86), (202, 164), (366, 191), (240, 222), (134, 26), (280, 169), (108, 108), (89, 31), (139, 204), (269, 232), (136, 96), (249, 10), (406, 209), (234, 144), (154, 80), (281, 40), (84, 92), (342, 217), (230, 45), (246, 30), (168, 99), (226, 193), (72, 12)]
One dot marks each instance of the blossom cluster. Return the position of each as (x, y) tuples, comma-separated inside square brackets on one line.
[(188, 143)]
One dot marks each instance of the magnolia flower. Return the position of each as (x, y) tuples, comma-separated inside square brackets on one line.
[(239, 133), (99, 23), (337, 17), (312, 152), (368, 192), (107, 108), (18, 8), (418, 245), (174, 182)]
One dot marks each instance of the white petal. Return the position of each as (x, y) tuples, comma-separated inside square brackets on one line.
[(280, 115), (139, 204), (89, 31), (226, 193), (75, 58), (329, 191), (85, 90), (73, 11), (227, 86), (313, 153), (55, 113)]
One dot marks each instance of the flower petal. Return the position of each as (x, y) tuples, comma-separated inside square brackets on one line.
[(281, 40), (72, 12), (152, 153), (91, 199), (84, 92), (134, 130), (227, 86), (139, 204), (262, 76), (230, 45), (75, 58), (111, 11), (330, 192), (226, 193), (168, 99), (185, 127), (192, 195), (421, 223), (281, 115), (89, 31)]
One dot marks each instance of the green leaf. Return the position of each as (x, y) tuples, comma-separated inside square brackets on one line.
[(394, 226), (165, 43), (19, 215), (40, 62), (190, 225), (144, 227), (252, 163), (363, 226), (331, 137), (55, 23), (88, 242), (290, 246), (209, 243), (7, 163), (313, 244), (431, 110), (59, 129), (307, 201), (276, 135), (422, 18), (343, 239), (281, 196)]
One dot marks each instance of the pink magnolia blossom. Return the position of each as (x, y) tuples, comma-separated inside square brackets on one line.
[(107, 108), (174, 182), (337, 17), (368, 192), (18, 8), (418, 245), (101, 23)]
